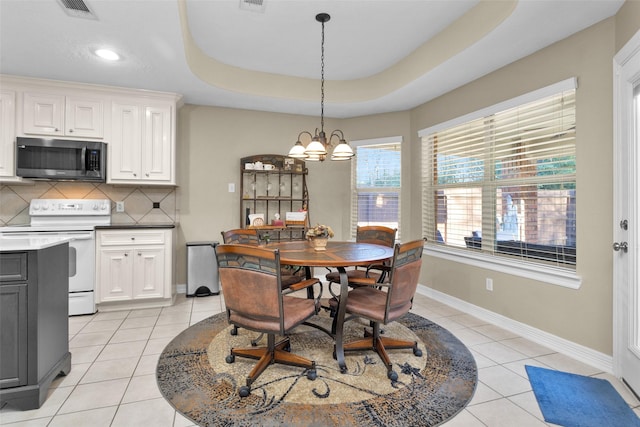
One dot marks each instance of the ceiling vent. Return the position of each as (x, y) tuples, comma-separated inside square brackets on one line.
[(77, 9), (253, 5)]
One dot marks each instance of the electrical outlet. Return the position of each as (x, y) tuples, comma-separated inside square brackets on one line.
[(119, 206), (489, 284), (232, 187)]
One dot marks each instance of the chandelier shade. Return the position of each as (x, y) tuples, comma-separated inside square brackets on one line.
[(319, 145)]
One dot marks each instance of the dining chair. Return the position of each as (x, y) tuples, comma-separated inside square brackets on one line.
[(383, 303), (374, 234), (249, 236), (256, 300)]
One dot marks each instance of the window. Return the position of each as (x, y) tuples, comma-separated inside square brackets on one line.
[(502, 182), (375, 183)]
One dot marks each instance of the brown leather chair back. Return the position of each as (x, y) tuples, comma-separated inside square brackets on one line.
[(377, 235), (404, 277), (241, 236)]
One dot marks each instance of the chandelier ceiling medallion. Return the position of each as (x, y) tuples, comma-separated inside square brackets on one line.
[(317, 149)]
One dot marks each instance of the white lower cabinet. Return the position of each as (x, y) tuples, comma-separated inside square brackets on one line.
[(134, 267)]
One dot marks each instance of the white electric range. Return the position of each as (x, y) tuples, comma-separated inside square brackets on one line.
[(75, 219)]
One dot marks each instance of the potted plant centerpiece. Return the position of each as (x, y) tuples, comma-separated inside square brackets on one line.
[(318, 236)]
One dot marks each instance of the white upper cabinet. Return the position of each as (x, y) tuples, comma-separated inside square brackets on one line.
[(7, 133), (142, 145), (59, 115)]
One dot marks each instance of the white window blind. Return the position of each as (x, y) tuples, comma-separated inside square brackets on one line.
[(504, 183), (375, 183)]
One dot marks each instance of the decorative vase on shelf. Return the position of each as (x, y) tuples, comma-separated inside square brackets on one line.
[(318, 243)]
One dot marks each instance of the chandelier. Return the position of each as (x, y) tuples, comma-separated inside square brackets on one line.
[(318, 148)]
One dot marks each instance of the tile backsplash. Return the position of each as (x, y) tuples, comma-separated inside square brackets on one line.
[(142, 205)]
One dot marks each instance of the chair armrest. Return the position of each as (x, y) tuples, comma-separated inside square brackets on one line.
[(383, 268), (304, 284), (367, 281), (380, 267)]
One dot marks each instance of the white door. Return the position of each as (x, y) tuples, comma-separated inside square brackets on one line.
[(148, 272), (125, 145), (626, 232), (7, 133), (84, 117), (156, 144)]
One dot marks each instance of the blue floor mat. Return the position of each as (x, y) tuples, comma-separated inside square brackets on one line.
[(572, 400)]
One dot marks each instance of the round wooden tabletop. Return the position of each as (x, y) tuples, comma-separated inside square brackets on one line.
[(337, 254)]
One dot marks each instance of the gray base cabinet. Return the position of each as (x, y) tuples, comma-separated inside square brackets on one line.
[(34, 325)]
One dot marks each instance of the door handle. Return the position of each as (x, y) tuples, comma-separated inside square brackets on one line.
[(623, 246)]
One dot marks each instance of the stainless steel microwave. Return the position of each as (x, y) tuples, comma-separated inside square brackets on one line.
[(61, 159)]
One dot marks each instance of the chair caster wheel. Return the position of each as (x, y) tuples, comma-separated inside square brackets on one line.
[(392, 376), (312, 374), (230, 358), (287, 348), (417, 352), (244, 391), (234, 331)]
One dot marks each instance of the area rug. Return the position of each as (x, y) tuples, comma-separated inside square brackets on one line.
[(572, 400), (193, 376)]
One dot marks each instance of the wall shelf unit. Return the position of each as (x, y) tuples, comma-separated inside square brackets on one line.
[(273, 184)]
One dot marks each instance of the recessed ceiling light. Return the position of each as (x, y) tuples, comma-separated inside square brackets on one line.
[(107, 54)]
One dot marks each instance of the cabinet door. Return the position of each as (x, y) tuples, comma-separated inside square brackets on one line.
[(43, 114), (7, 133), (115, 276), (84, 117), (157, 143), (126, 140), (13, 335), (148, 272)]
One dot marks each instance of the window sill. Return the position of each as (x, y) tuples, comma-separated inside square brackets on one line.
[(543, 273)]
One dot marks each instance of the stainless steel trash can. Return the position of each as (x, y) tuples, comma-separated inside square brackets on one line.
[(202, 269)]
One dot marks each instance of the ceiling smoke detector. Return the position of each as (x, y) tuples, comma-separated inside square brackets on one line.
[(77, 9), (253, 5)]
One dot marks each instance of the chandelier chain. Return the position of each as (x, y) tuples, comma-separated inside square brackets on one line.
[(322, 80)]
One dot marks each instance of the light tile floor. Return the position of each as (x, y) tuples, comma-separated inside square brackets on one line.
[(114, 355)]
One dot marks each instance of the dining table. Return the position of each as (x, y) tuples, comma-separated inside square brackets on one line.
[(338, 255)]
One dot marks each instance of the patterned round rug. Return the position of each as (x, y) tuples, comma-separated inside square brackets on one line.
[(193, 376)]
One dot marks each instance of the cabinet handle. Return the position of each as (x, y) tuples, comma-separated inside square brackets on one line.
[(133, 238), (56, 130), (147, 175), (126, 254), (70, 130), (135, 174), (139, 254)]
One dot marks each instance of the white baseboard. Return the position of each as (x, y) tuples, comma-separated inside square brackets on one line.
[(576, 351)]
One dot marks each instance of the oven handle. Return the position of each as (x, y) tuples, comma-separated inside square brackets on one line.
[(72, 261)]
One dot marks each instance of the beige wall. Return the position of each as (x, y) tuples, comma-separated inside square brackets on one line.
[(627, 22), (583, 316), (212, 140)]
